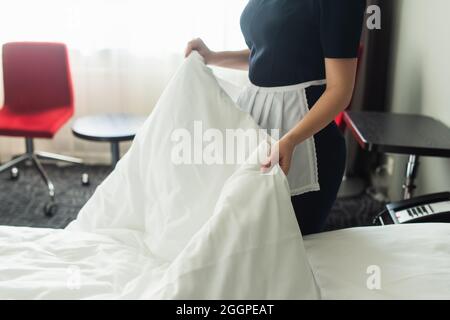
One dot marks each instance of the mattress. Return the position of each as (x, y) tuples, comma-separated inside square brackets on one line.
[(413, 262), (159, 229), (391, 262)]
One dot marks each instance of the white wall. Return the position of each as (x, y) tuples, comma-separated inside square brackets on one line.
[(420, 81)]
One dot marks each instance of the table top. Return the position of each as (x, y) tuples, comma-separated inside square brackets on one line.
[(108, 127), (399, 133)]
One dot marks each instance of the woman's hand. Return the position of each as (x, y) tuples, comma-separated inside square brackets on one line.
[(280, 153), (199, 46), (226, 59)]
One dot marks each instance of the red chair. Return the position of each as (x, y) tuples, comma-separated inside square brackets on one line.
[(38, 101)]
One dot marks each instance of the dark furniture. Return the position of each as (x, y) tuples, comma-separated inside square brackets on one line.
[(112, 128), (413, 135)]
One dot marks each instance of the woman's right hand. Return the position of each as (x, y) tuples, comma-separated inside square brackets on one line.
[(199, 46)]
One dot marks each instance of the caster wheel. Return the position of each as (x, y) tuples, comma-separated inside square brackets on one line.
[(14, 173), (50, 209), (85, 180)]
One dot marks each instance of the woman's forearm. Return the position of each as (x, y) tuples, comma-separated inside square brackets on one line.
[(230, 59), (337, 96), (332, 102), (226, 59)]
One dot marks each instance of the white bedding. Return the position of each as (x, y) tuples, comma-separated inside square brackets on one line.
[(412, 262), (42, 264), (154, 230)]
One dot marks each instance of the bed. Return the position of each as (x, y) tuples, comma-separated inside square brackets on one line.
[(57, 264), (159, 229)]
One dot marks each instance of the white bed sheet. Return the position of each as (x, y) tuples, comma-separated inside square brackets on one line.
[(194, 231), (412, 262), (154, 230), (59, 264), (40, 264)]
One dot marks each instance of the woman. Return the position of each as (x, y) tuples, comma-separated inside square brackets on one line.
[(302, 61)]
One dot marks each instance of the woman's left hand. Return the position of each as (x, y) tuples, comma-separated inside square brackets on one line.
[(280, 153)]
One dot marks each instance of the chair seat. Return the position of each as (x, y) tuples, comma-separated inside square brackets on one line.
[(43, 124)]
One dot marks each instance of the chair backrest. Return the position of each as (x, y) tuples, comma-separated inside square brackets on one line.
[(36, 76)]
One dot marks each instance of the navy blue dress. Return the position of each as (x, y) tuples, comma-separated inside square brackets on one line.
[(289, 41)]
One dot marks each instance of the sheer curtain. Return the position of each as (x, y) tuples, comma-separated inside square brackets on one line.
[(122, 52)]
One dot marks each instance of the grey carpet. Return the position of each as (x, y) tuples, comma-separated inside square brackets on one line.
[(22, 201)]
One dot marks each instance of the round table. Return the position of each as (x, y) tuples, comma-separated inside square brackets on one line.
[(112, 128)]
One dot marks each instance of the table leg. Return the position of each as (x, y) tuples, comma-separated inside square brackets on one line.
[(411, 174), (115, 153)]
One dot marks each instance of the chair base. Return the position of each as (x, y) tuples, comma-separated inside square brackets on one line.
[(35, 158)]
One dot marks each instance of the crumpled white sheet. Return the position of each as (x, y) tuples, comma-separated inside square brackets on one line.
[(156, 231), (224, 231)]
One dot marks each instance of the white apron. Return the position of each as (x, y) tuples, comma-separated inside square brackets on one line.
[(282, 108)]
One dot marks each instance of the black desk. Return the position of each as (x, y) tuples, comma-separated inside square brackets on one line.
[(414, 135)]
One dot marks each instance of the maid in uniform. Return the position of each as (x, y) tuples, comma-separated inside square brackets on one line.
[(302, 59)]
